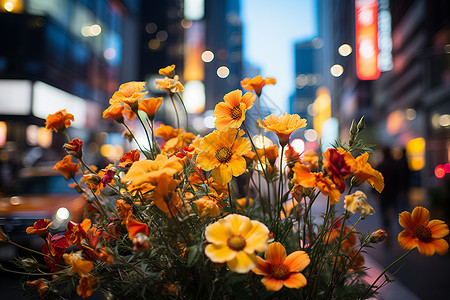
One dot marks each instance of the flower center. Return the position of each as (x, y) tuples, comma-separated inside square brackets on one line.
[(280, 272), (223, 154), (236, 242), (236, 112), (423, 233)]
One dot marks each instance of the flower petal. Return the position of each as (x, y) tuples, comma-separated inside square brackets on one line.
[(233, 98), (238, 224), (262, 267), (272, 284), (426, 249), (276, 254), (438, 229), (242, 263), (441, 246), (421, 215), (297, 261), (241, 146), (295, 281), (222, 174), (219, 232), (256, 239), (406, 240), (237, 165), (206, 161), (406, 221), (219, 253), (248, 99)]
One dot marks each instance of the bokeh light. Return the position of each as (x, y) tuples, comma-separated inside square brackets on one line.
[(223, 72), (345, 50), (207, 56), (336, 70)]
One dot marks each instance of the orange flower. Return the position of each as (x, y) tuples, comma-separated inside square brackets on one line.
[(310, 159), (362, 170), (179, 142), (231, 112), (41, 285), (222, 153), (40, 227), (305, 178), (67, 167), (117, 111), (164, 195), (283, 126), (150, 106), (134, 227), (75, 232), (124, 210), (167, 71), (128, 159), (170, 85), (86, 286), (244, 202), (207, 206), (129, 93), (279, 269), (59, 121), (257, 83), (167, 132), (427, 236), (74, 148), (79, 265), (270, 153)]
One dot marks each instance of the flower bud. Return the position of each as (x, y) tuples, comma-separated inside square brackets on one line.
[(361, 125), (74, 148), (30, 264), (141, 242), (378, 236)]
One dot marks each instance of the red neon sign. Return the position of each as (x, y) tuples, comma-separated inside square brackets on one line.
[(366, 40)]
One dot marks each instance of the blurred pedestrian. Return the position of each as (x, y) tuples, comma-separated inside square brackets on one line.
[(389, 167)]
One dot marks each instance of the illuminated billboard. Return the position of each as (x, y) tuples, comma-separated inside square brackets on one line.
[(366, 39)]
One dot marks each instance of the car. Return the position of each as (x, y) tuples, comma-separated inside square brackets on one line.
[(39, 193)]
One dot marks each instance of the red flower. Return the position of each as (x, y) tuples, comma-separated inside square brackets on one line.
[(129, 158), (337, 168), (39, 228), (74, 148), (77, 232)]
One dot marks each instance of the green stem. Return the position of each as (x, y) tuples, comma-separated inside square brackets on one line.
[(31, 274), (150, 144), (385, 270), (185, 111), (176, 111), (230, 198), (134, 138), (280, 195)]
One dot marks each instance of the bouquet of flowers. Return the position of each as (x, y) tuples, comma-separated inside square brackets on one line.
[(223, 216)]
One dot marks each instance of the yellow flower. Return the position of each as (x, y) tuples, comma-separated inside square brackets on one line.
[(167, 132), (234, 240), (231, 112), (144, 174), (356, 202), (222, 153), (427, 236), (362, 170), (150, 106), (59, 121), (283, 126), (129, 93), (257, 83), (279, 269), (167, 71), (170, 85)]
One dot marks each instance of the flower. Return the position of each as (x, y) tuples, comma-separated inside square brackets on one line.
[(378, 236), (170, 85), (222, 153), (167, 132), (141, 242), (256, 83), (74, 148), (207, 207), (167, 71), (150, 106), (282, 126), (427, 236), (231, 112), (279, 270), (337, 168), (86, 285), (67, 167), (79, 265), (59, 121), (40, 227), (117, 111), (124, 210), (164, 195), (144, 174), (234, 240), (129, 158), (362, 170), (41, 285), (129, 93), (76, 232), (134, 227), (356, 202)]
